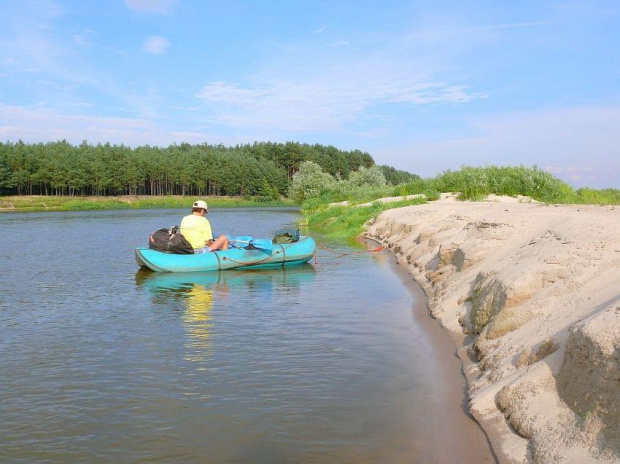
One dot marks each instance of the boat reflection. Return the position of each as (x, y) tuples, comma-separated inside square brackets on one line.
[(198, 292), (179, 283)]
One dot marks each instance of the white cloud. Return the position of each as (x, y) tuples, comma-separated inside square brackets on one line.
[(440, 32), (222, 92), (28, 46), (162, 7), (308, 86), (156, 45), (9, 132), (579, 175), (339, 43), (83, 40), (321, 104), (44, 125)]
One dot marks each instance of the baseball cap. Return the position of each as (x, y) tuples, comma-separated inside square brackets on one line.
[(201, 204)]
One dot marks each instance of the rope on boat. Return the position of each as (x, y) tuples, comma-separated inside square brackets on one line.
[(339, 254), (226, 258), (316, 260)]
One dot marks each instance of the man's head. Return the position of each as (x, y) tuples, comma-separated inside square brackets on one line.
[(200, 205)]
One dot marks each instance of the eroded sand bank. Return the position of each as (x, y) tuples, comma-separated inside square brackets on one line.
[(531, 294)]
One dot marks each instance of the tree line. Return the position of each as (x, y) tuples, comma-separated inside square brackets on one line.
[(259, 169)]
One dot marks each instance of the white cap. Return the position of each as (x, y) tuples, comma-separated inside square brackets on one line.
[(201, 204)]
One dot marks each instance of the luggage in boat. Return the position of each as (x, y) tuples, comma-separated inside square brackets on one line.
[(170, 241), (286, 236)]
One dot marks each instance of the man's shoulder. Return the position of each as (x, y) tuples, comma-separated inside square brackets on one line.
[(192, 218)]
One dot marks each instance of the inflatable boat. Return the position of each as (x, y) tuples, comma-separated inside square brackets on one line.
[(250, 257)]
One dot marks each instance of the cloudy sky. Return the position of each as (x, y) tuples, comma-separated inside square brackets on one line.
[(420, 85)]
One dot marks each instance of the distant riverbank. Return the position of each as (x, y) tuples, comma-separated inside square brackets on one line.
[(31, 203), (529, 293)]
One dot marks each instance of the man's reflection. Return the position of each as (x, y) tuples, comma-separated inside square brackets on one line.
[(198, 321)]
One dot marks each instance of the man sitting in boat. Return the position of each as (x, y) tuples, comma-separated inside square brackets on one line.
[(196, 229)]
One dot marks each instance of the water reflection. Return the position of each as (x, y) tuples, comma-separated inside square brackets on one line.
[(197, 320), (198, 293), (175, 284)]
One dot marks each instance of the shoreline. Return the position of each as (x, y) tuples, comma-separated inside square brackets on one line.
[(467, 438), (43, 203), (528, 293)]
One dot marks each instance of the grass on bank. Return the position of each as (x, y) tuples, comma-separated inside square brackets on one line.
[(472, 184), (57, 203), (346, 223), (476, 183)]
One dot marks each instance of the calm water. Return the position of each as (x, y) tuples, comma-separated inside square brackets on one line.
[(100, 362)]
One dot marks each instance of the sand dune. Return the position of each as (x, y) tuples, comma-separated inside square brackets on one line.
[(531, 295)]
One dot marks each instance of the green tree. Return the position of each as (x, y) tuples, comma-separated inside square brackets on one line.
[(310, 181), (371, 177), (395, 176)]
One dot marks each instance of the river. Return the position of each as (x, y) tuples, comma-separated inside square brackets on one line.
[(331, 362)]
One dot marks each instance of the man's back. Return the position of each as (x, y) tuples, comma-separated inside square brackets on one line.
[(196, 229)]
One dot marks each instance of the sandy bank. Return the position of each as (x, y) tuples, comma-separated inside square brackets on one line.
[(531, 294)]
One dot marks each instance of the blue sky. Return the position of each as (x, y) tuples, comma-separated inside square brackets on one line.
[(420, 85)]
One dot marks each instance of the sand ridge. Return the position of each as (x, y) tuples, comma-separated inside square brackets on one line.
[(531, 295)]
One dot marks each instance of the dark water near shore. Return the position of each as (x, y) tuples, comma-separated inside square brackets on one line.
[(100, 362)]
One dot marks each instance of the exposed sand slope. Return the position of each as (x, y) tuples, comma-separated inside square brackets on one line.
[(531, 293)]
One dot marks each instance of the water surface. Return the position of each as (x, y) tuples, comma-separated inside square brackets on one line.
[(101, 362)]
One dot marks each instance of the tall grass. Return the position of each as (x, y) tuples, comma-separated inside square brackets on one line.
[(347, 223), (475, 183), (590, 196)]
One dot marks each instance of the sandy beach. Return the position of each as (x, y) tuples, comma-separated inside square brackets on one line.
[(530, 294)]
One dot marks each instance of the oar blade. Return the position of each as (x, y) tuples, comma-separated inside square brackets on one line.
[(262, 244)]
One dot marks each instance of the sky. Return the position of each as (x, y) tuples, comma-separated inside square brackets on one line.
[(421, 85)]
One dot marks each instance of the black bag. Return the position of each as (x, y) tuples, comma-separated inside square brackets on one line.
[(286, 236), (170, 241)]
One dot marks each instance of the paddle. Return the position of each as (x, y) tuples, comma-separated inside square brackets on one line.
[(261, 243)]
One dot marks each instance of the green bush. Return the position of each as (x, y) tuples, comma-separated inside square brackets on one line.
[(309, 182), (367, 177)]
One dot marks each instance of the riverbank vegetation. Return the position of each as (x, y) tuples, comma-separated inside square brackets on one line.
[(476, 183), (320, 193), (347, 223), (61, 176)]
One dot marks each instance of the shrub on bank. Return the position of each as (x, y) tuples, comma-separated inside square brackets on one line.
[(310, 182), (312, 186)]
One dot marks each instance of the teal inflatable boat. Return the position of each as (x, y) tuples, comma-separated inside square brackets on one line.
[(272, 256)]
